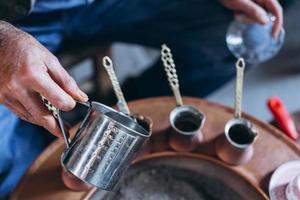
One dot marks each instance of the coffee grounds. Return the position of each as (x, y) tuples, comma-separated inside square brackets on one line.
[(186, 125), (241, 134), (171, 183)]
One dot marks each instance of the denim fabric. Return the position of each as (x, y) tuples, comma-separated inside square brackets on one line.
[(194, 30), (20, 144), (50, 5)]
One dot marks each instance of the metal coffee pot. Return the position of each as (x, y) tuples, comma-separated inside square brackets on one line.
[(186, 124), (186, 120), (103, 146), (236, 144), (235, 147)]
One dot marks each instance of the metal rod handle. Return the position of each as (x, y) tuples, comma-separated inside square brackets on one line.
[(65, 133), (170, 68), (57, 115), (240, 67), (122, 105)]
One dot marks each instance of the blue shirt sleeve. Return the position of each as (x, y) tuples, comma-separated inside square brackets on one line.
[(51, 5)]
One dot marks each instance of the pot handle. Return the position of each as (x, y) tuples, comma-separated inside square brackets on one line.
[(57, 115)]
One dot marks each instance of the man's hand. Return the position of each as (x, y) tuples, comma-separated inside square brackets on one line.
[(28, 69), (256, 10)]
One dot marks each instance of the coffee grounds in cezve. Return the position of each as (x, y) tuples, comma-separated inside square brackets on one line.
[(186, 125), (241, 134)]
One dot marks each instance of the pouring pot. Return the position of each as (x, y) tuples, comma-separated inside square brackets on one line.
[(103, 147)]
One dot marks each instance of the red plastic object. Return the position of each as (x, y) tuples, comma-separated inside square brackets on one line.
[(282, 117)]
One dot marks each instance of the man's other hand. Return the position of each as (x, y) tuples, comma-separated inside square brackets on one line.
[(28, 69), (256, 10)]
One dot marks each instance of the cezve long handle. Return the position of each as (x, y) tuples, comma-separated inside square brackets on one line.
[(170, 68), (122, 105), (240, 67)]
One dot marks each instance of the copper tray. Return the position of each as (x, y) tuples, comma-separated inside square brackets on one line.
[(42, 180)]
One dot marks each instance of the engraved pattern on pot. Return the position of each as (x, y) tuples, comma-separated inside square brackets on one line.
[(115, 143), (102, 147)]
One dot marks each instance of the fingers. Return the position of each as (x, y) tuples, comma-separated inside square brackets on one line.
[(243, 18), (41, 115), (33, 112), (253, 11), (257, 11), (249, 8), (17, 108), (44, 85), (274, 7), (38, 114), (60, 76)]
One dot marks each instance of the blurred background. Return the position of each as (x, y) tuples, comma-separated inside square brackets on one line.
[(279, 76)]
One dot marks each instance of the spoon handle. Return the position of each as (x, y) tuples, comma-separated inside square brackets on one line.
[(169, 65), (240, 67), (122, 105)]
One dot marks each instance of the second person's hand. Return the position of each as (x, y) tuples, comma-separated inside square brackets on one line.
[(256, 10)]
